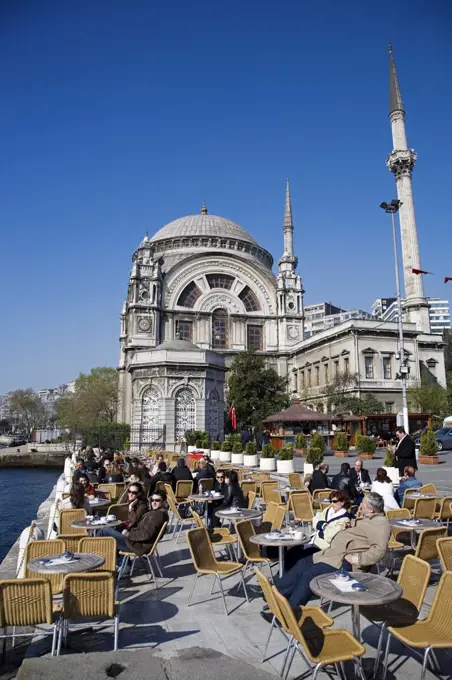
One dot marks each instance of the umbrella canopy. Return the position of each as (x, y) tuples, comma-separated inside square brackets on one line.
[(297, 413)]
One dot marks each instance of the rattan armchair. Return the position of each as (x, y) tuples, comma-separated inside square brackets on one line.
[(444, 547), (320, 494), (295, 480), (219, 537), (272, 518), (318, 646), (105, 546), (408, 502), (71, 541), (434, 632), (89, 595), (428, 488), (184, 488), (426, 548), (271, 495), (120, 511), (26, 603), (248, 487), (251, 497), (251, 551), (36, 549), (179, 521), (424, 508), (111, 491), (444, 510), (205, 564), (69, 516), (301, 505), (132, 557)]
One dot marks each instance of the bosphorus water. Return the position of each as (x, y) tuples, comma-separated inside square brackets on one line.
[(22, 490)]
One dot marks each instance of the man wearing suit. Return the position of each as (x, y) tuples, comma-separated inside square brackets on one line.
[(405, 453), (358, 474)]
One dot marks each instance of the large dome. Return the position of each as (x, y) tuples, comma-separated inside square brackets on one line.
[(203, 225)]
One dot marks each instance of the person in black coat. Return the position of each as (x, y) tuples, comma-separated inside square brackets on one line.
[(219, 486), (234, 497), (181, 473), (343, 483), (204, 472), (359, 475), (405, 453), (163, 475), (319, 479)]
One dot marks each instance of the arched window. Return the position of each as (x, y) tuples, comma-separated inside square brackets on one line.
[(189, 295), (220, 281), (249, 299), (220, 323), (213, 405), (150, 416), (185, 414)]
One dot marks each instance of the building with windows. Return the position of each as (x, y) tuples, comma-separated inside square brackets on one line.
[(438, 311), (202, 289)]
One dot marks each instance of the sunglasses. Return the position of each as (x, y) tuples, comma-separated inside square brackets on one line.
[(156, 500), (336, 500), (134, 492)]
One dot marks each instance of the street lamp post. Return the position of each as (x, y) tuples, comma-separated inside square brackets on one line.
[(392, 208)]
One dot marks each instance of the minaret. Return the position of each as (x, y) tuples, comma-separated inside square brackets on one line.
[(401, 162), (288, 222)]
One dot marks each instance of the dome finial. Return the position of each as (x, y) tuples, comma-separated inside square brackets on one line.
[(204, 208)]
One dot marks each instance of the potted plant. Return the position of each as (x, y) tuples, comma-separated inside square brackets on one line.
[(237, 453), (190, 437), (285, 464), (300, 444), (314, 455), (267, 461), (250, 458), (388, 465), (340, 445), (366, 447), (205, 444), (198, 445), (429, 448), (215, 451), (225, 455)]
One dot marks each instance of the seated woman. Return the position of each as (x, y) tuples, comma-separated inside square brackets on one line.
[(234, 497), (383, 485), (76, 501), (327, 524), (113, 475), (90, 491)]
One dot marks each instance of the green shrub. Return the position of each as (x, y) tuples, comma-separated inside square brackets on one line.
[(198, 444), (429, 445), (314, 455), (286, 453), (340, 441), (190, 437), (127, 445), (205, 443), (300, 441), (237, 447), (251, 448), (235, 438), (226, 446), (366, 445), (389, 459), (318, 442), (267, 451), (216, 445), (358, 436)]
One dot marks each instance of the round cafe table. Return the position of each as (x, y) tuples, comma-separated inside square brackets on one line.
[(200, 498), (420, 525), (96, 503), (281, 543), (81, 562), (380, 590), (83, 524), (237, 516)]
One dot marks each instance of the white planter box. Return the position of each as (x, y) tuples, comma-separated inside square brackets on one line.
[(225, 456), (308, 469), (190, 449), (215, 455), (393, 474), (268, 464), (237, 458), (284, 467), (206, 451), (250, 461)]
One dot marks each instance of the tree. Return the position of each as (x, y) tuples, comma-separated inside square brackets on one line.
[(429, 398), (337, 391), (256, 390), (94, 401), (27, 409), (447, 338)]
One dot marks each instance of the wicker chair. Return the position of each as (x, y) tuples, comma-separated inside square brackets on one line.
[(413, 577), (46, 548), (251, 551), (320, 494), (205, 563), (69, 516), (26, 603), (184, 488), (444, 547), (105, 546), (89, 595), (444, 510), (319, 646), (207, 484), (301, 505), (317, 615), (71, 541), (408, 503), (132, 557), (120, 510), (426, 548), (248, 486), (295, 480), (251, 498), (220, 536), (179, 521), (273, 518), (271, 495), (428, 488), (424, 508), (403, 513), (434, 632)]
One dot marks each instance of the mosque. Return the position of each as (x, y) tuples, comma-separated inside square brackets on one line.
[(202, 289)]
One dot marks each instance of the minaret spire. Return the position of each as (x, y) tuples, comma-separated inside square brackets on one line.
[(204, 208), (401, 163), (288, 223)]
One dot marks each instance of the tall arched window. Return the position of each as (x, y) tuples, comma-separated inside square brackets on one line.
[(220, 331), (150, 416), (213, 413), (185, 417)]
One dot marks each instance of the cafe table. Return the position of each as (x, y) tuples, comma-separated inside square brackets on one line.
[(97, 503), (201, 498), (284, 540), (84, 524), (414, 526), (81, 562), (236, 515)]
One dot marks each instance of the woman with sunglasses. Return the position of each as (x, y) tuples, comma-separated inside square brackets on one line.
[(219, 486)]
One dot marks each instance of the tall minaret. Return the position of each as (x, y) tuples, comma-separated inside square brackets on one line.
[(401, 162)]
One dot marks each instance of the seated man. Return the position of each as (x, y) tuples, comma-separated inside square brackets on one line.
[(141, 536), (361, 545), (408, 481), (204, 472)]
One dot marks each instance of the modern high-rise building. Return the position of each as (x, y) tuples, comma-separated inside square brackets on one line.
[(324, 315), (438, 311)]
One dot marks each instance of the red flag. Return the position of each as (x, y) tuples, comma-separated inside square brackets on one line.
[(232, 415), (420, 271), (448, 278)]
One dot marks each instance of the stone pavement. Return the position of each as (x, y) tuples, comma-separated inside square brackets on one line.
[(159, 620)]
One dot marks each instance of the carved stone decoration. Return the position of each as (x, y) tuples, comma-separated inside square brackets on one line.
[(144, 324), (214, 301), (148, 372), (401, 162), (293, 332)]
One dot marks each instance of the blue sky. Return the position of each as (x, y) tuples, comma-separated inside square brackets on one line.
[(118, 117)]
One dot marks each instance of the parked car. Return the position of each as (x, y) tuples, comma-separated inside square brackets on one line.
[(443, 438)]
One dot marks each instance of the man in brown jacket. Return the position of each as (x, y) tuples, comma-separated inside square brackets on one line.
[(354, 548)]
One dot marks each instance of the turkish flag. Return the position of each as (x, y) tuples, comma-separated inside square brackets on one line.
[(233, 417), (448, 278), (420, 271)]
